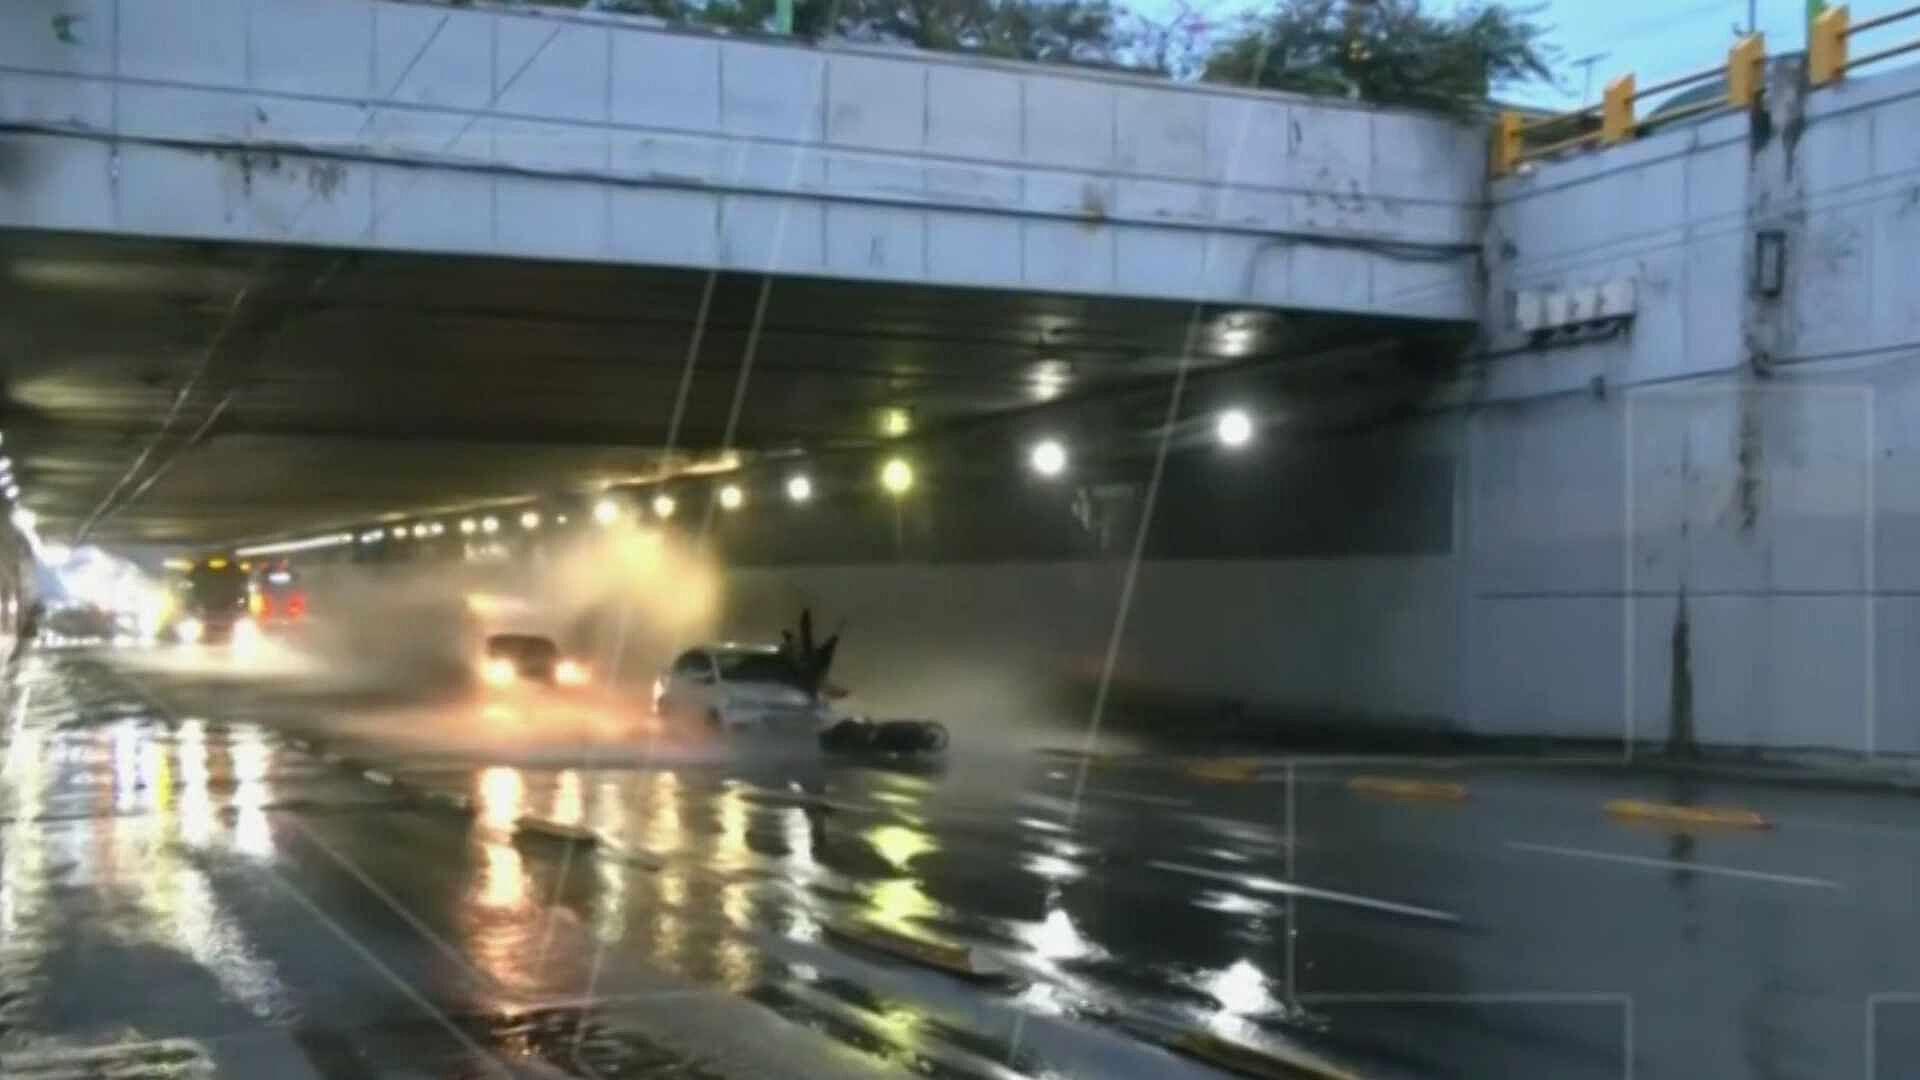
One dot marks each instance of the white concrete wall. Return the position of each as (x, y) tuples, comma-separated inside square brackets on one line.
[(1784, 507), (529, 132)]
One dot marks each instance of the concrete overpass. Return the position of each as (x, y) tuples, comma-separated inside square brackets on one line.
[(522, 133), (274, 264)]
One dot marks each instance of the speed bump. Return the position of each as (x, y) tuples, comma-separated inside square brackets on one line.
[(1732, 817), (1401, 788), (1279, 1063), (954, 959)]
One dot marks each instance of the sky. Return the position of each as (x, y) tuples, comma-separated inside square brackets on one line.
[(1654, 39), (1657, 39)]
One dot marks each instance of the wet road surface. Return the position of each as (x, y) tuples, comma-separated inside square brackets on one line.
[(203, 878)]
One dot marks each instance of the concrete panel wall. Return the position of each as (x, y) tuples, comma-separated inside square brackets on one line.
[(1331, 638), (385, 124), (1663, 542)]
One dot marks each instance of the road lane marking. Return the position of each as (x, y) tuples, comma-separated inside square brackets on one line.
[(1167, 801), (1675, 864), (1670, 813), (553, 830), (1225, 770), (1248, 1060), (1308, 892), (1395, 787), (951, 957)]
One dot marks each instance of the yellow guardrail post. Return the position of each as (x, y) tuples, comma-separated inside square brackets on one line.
[(1827, 47), (1616, 117), (1746, 70), (1506, 143)]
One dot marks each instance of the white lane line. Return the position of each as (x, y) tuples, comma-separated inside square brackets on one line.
[(1288, 888), (1144, 800), (1676, 864)]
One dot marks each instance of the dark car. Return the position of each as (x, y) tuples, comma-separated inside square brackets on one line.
[(511, 658)]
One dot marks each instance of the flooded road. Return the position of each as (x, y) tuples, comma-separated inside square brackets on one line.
[(217, 878)]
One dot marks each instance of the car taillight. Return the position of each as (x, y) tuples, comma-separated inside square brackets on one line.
[(296, 605)]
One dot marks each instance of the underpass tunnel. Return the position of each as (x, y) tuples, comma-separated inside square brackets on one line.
[(328, 409)]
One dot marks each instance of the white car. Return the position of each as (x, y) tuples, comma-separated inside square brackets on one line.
[(733, 687)]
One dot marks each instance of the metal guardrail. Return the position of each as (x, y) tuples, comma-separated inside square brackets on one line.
[(1518, 140), (1830, 40)]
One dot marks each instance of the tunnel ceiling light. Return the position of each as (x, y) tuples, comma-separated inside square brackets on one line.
[(371, 536), (530, 520), (285, 547), (468, 526), (421, 531), (1233, 427), (438, 528), (6, 463), (606, 511), (24, 518), (560, 519), (489, 524), (13, 491), (663, 506), (896, 476), (731, 497), (895, 421), (1048, 457), (799, 488)]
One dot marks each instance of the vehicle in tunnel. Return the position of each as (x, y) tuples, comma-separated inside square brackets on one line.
[(509, 660), (207, 604), (733, 687), (277, 597), (783, 689)]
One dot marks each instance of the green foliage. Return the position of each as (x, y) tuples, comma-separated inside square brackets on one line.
[(1387, 51)]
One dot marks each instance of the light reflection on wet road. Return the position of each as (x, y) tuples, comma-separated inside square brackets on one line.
[(186, 872)]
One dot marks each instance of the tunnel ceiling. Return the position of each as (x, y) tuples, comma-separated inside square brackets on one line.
[(177, 392)]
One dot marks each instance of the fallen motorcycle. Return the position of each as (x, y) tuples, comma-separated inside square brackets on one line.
[(859, 736)]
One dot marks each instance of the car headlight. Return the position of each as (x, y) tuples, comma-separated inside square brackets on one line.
[(190, 629), (498, 672), (571, 673)]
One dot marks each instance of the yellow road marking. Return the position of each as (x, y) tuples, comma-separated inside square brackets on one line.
[(1734, 817), (1274, 1064), (945, 955), (1401, 788), (1226, 770), (555, 830)]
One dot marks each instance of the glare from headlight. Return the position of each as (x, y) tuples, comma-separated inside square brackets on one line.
[(246, 637), (189, 629), (498, 672), (571, 673)]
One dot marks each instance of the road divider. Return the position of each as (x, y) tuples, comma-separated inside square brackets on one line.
[(1277, 1063), (962, 961), (1394, 787), (375, 776), (1729, 817)]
